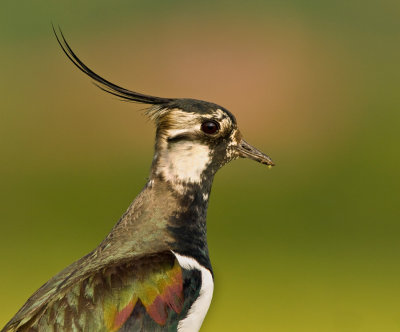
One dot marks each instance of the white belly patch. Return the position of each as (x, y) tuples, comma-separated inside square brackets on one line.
[(199, 308)]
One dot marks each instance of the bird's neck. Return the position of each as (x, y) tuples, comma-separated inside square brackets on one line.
[(186, 221), (184, 170), (164, 216)]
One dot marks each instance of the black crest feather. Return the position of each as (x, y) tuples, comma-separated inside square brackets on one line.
[(106, 85)]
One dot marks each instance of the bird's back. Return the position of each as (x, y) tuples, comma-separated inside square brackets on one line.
[(151, 293)]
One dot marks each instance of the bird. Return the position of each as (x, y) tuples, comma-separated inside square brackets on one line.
[(152, 272)]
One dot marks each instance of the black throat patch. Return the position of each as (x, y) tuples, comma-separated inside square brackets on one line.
[(188, 224)]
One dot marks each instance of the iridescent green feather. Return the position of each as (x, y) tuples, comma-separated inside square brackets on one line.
[(106, 299)]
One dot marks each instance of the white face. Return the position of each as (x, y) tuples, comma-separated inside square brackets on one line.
[(185, 151), (184, 162)]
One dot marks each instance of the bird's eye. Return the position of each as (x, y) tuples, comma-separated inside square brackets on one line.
[(210, 127)]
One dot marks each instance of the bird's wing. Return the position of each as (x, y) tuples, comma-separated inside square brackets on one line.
[(151, 293)]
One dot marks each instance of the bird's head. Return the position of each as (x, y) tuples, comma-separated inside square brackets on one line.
[(194, 138)]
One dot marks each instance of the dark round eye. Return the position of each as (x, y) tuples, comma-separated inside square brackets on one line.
[(210, 127)]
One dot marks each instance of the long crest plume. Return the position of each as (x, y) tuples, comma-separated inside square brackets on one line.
[(159, 103)]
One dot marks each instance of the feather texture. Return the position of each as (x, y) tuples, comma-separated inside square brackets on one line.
[(104, 84), (145, 291)]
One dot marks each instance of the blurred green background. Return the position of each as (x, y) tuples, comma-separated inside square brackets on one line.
[(311, 245)]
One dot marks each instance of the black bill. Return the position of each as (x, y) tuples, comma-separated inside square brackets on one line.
[(248, 151)]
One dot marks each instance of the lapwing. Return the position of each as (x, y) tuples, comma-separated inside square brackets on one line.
[(152, 272)]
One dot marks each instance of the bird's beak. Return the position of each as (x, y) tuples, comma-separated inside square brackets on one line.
[(247, 151)]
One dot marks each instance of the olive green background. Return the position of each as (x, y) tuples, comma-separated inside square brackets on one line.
[(311, 245)]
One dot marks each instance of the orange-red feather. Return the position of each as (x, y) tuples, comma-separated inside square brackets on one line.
[(158, 291)]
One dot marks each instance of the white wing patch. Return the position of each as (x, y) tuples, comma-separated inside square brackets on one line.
[(199, 308)]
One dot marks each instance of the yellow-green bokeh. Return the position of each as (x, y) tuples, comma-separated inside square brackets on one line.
[(311, 245)]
